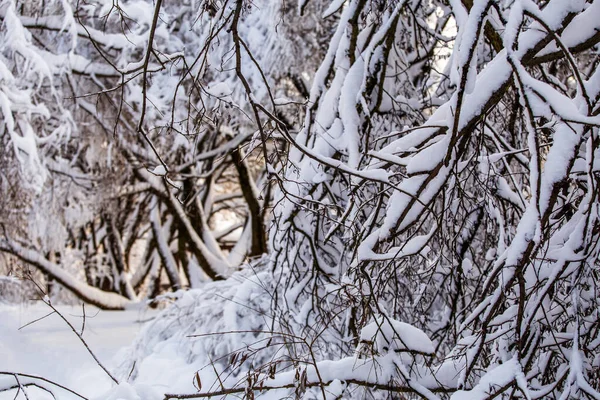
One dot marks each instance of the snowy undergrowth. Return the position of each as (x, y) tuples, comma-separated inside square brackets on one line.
[(194, 340), (225, 337)]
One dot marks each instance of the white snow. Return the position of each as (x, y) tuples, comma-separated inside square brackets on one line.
[(387, 334), (50, 349), (491, 382), (159, 170), (219, 89)]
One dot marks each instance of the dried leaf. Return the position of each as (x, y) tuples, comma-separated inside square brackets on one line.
[(198, 382)]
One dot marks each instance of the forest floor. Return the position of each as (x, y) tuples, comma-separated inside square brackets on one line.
[(49, 348)]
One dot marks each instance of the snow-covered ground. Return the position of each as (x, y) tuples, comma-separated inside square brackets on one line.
[(50, 349)]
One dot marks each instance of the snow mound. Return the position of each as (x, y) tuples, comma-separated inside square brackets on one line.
[(219, 89), (125, 391), (198, 335), (159, 170), (386, 335), (493, 382)]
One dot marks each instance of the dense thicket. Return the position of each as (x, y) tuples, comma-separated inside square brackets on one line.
[(127, 161), (432, 167)]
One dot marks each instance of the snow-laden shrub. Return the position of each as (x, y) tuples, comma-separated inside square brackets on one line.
[(219, 329)]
